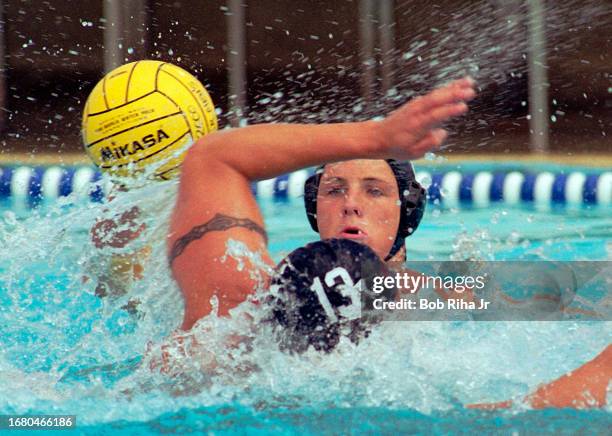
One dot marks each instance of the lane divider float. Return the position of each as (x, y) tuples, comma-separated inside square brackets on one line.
[(444, 187)]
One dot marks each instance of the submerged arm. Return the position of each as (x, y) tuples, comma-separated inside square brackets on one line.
[(582, 388), (215, 202)]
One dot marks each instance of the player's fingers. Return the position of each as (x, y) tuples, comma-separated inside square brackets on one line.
[(442, 114), (460, 90), (420, 125)]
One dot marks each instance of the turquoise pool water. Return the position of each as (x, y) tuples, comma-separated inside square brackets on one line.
[(63, 350)]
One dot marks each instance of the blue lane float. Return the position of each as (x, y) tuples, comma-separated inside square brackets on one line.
[(447, 187)]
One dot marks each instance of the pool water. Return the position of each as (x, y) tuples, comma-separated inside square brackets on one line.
[(63, 350)]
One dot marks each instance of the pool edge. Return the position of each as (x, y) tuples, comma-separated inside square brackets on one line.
[(583, 159)]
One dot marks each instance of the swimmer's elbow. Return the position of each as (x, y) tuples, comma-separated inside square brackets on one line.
[(207, 156), (198, 154)]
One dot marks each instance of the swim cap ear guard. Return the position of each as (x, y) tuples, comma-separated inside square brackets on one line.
[(412, 195), (319, 294)]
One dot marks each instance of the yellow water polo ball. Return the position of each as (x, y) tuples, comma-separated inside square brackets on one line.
[(143, 116)]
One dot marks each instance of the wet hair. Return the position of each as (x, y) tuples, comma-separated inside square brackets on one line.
[(412, 195), (316, 296)]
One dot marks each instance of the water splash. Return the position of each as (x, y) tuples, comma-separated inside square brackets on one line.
[(64, 349), (94, 358)]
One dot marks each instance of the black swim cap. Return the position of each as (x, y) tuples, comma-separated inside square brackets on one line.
[(412, 195), (316, 295)]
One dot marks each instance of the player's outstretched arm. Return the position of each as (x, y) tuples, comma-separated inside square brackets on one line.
[(267, 150), (215, 203), (584, 387)]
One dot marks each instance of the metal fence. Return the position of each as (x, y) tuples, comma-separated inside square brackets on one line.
[(232, 41)]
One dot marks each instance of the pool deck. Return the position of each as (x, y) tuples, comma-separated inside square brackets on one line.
[(583, 159)]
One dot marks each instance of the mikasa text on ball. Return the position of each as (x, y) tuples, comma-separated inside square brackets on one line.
[(143, 116)]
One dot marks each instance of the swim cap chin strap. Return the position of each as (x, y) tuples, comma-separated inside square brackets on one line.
[(412, 195)]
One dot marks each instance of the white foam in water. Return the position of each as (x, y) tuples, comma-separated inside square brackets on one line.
[(433, 366)]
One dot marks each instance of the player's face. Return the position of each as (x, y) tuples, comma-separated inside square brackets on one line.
[(359, 200)]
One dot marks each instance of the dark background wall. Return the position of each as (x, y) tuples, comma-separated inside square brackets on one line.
[(303, 63)]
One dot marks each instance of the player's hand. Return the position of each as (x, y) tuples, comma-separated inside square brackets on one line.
[(413, 129)]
